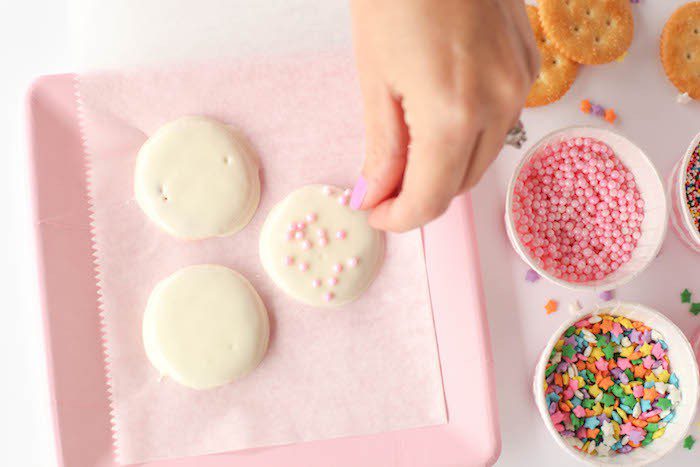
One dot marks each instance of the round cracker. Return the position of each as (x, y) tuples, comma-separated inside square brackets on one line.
[(588, 31), (557, 72), (680, 49)]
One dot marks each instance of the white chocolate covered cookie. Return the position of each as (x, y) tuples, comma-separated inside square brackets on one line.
[(317, 249), (205, 326), (195, 180)]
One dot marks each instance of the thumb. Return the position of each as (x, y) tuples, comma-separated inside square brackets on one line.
[(386, 143)]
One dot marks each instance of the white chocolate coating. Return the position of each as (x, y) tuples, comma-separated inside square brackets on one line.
[(205, 326), (195, 180), (317, 249)]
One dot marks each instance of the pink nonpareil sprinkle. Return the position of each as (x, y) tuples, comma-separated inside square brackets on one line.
[(577, 210), (353, 262), (341, 234), (332, 281)]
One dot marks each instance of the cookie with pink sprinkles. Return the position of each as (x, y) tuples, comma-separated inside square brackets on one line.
[(577, 210)]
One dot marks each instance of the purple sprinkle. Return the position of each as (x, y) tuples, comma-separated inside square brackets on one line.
[(603, 418), (562, 367), (646, 337), (556, 388), (634, 336), (616, 372), (550, 378), (567, 433), (597, 110), (625, 449), (571, 340), (552, 407), (607, 295), (585, 393), (623, 378), (532, 276), (656, 364)]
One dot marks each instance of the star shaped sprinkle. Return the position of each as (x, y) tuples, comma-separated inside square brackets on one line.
[(532, 276), (685, 296), (695, 308), (551, 306), (688, 442)]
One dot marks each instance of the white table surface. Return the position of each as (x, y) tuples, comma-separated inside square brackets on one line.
[(53, 36)]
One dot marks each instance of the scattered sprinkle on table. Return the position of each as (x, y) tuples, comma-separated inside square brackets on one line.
[(598, 110), (531, 275), (692, 187), (685, 296), (609, 385), (688, 442), (551, 306), (607, 295), (695, 308)]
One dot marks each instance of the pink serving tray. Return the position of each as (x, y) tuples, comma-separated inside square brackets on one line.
[(73, 347)]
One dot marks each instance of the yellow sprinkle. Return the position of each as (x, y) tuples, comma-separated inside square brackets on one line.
[(596, 353), (597, 409), (559, 345), (663, 376), (645, 350), (565, 379), (608, 411), (627, 388), (594, 390), (570, 404), (585, 446), (581, 382), (625, 322), (626, 351), (621, 413), (651, 377), (635, 383), (622, 57), (658, 433), (616, 429), (545, 385)]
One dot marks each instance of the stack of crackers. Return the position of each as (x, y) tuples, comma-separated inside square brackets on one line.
[(570, 33)]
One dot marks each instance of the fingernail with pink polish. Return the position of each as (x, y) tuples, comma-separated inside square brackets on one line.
[(358, 193)]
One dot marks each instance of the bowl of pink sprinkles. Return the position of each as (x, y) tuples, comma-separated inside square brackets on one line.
[(586, 209)]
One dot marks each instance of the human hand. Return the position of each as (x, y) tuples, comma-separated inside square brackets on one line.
[(442, 83)]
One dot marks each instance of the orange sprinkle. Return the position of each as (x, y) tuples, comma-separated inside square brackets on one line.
[(591, 367), (564, 407), (639, 423), (639, 371), (606, 325), (654, 419), (610, 116), (635, 356), (611, 364), (557, 379), (580, 365), (551, 306), (595, 330), (598, 378), (592, 433), (605, 383), (589, 413), (586, 106), (650, 394), (634, 445)]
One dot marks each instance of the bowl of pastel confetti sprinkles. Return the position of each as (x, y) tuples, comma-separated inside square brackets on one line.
[(617, 385), (684, 196), (586, 209)]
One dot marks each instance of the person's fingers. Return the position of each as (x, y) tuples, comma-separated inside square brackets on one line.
[(526, 38), (386, 146), (433, 175), (488, 146)]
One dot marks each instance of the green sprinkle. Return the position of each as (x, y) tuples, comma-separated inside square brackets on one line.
[(629, 400), (685, 296), (550, 369), (576, 422), (688, 442), (629, 374), (602, 341), (636, 362), (609, 351), (664, 403), (608, 399), (652, 427), (567, 351), (618, 391), (648, 439), (570, 331), (588, 403), (695, 308)]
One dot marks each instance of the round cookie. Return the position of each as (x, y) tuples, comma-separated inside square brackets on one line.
[(557, 72), (317, 249), (680, 49), (588, 31), (195, 180), (205, 326)]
